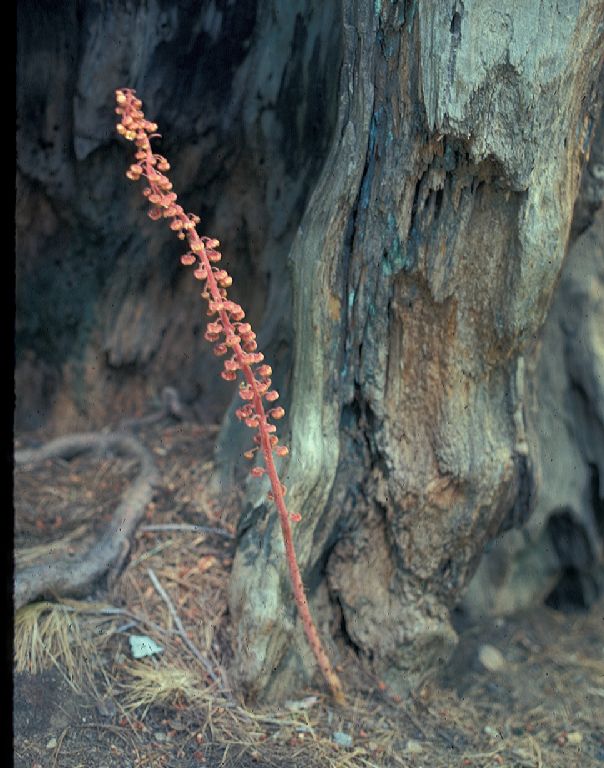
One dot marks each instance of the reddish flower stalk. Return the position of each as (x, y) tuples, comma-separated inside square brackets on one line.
[(227, 332)]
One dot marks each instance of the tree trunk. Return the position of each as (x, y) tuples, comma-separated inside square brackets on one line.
[(403, 175), (421, 273), (558, 557), (244, 94)]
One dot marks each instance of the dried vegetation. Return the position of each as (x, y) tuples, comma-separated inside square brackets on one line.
[(177, 707)]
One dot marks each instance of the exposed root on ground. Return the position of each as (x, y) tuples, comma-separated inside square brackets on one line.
[(77, 575)]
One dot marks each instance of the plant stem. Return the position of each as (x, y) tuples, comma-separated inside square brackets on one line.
[(134, 127)]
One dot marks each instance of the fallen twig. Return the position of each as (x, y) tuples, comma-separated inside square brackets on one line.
[(181, 630), (188, 527), (171, 407)]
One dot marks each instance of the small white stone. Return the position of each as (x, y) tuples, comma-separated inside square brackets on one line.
[(306, 703), (52, 743), (413, 747), (141, 646), (491, 658), (342, 739)]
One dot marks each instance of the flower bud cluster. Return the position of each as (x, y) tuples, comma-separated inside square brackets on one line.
[(233, 338)]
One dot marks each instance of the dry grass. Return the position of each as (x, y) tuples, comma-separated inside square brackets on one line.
[(46, 634), (69, 636), (145, 685)]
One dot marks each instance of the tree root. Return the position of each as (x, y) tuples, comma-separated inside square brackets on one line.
[(77, 575)]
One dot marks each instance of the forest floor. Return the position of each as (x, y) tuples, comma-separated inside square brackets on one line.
[(526, 691)]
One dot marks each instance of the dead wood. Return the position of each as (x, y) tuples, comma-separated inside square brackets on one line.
[(77, 575)]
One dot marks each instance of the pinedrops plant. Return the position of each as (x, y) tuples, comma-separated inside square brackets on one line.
[(233, 338)]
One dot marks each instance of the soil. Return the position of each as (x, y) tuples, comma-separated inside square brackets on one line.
[(525, 691)]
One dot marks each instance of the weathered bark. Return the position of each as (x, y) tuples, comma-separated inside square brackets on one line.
[(403, 174), (441, 218), (243, 91), (558, 557)]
